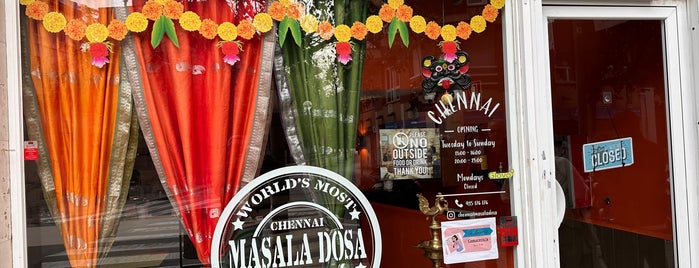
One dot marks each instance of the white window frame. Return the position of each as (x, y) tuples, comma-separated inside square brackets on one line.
[(16, 134), (529, 114)]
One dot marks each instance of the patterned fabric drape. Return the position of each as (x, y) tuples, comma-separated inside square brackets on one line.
[(320, 96), (203, 119), (83, 119)]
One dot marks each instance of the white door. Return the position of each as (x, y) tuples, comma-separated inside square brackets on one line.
[(623, 134)]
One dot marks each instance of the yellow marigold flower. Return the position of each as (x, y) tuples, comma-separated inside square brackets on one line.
[(490, 13), (190, 21), (277, 11), (463, 30), (449, 32), (162, 2), (387, 13), (54, 22), (117, 30), (343, 33), (418, 24), (75, 29), (96, 32), (295, 10), (374, 24), (358, 30), (309, 23), (433, 30), (208, 29), (37, 10), (262, 22), (395, 3), (136, 22), (404, 13), (26, 2), (478, 24), (152, 10), (497, 3), (173, 10), (325, 30), (285, 3), (245, 29), (227, 31)]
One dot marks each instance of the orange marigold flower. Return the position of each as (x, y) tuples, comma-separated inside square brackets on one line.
[(358, 30), (325, 30), (277, 11), (37, 10), (387, 13), (173, 10), (497, 3), (117, 30), (478, 24), (152, 10), (490, 13), (295, 10), (208, 29), (463, 30), (404, 13), (433, 30), (245, 29), (75, 29)]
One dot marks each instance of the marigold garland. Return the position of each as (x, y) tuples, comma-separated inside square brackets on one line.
[(137, 22)]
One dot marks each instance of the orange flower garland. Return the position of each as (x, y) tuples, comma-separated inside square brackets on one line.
[(263, 22)]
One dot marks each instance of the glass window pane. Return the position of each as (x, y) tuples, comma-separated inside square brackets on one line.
[(608, 88)]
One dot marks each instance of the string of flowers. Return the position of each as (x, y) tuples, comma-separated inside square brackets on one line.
[(289, 14)]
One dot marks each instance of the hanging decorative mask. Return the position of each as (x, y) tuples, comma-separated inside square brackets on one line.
[(444, 75)]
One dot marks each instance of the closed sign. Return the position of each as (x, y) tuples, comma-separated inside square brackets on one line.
[(607, 154)]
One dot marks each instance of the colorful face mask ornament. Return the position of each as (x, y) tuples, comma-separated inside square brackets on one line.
[(443, 76)]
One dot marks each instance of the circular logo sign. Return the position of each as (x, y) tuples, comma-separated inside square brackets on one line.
[(300, 216)]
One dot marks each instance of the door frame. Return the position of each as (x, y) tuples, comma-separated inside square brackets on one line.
[(534, 194)]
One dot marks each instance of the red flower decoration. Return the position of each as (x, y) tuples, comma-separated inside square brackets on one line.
[(99, 50), (449, 50), (344, 52), (230, 49)]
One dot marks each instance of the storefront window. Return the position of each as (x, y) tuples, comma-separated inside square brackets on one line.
[(413, 140), (143, 121)]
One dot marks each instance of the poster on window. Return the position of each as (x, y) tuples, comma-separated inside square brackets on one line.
[(409, 153), (469, 240)]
